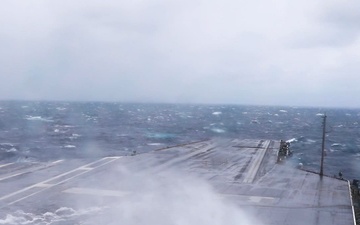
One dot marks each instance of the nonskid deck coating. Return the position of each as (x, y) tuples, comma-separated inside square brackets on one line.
[(243, 172)]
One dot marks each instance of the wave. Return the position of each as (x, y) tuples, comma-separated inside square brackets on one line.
[(69, 146), (301, 139), (338, 145), (292, 140), (11, 150), (218, 130), (155, 144), (38, 118), (74, 136), (64, 126), (255, 122), (310, 140), (160, 135), (58, 216), (8, 147)]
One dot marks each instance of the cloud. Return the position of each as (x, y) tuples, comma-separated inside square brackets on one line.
[(173, 51), (343, 16), (334, 25)]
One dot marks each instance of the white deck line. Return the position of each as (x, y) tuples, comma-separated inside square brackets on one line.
[(254, 167), (26, 171), (58, 161), (8, 164), (45, 186), (14, 175), (97, 192), (182, 158), (352, 204)]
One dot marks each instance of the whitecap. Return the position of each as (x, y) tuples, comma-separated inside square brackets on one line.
[(74, 136), (217, 113), (320, 114), (338, 145), (283, 111), (155, 144), (292, 140), (60, 215), (6, 144), (64, 126), (65, 211), (255, 121), (38, 118), (11, 150), (69, 146), (218, 130), (160, 135)]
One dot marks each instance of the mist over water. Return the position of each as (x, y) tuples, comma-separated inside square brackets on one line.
[(142, 197), (172, 198), (44, 131)]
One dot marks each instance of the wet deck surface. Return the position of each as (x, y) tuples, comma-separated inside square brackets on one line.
[(242, 173)]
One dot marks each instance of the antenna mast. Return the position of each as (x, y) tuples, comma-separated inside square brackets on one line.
[(323, 146)]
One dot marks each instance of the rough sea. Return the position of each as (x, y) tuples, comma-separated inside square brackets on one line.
[(47, 131)]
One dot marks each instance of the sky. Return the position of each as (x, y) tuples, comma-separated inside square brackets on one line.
[(263, 52)]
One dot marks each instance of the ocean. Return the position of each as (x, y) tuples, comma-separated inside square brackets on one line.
[(47, 131)]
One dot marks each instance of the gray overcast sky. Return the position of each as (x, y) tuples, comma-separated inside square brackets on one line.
[(274, 52)]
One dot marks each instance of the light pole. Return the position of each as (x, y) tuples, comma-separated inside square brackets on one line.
[(323, 147)]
